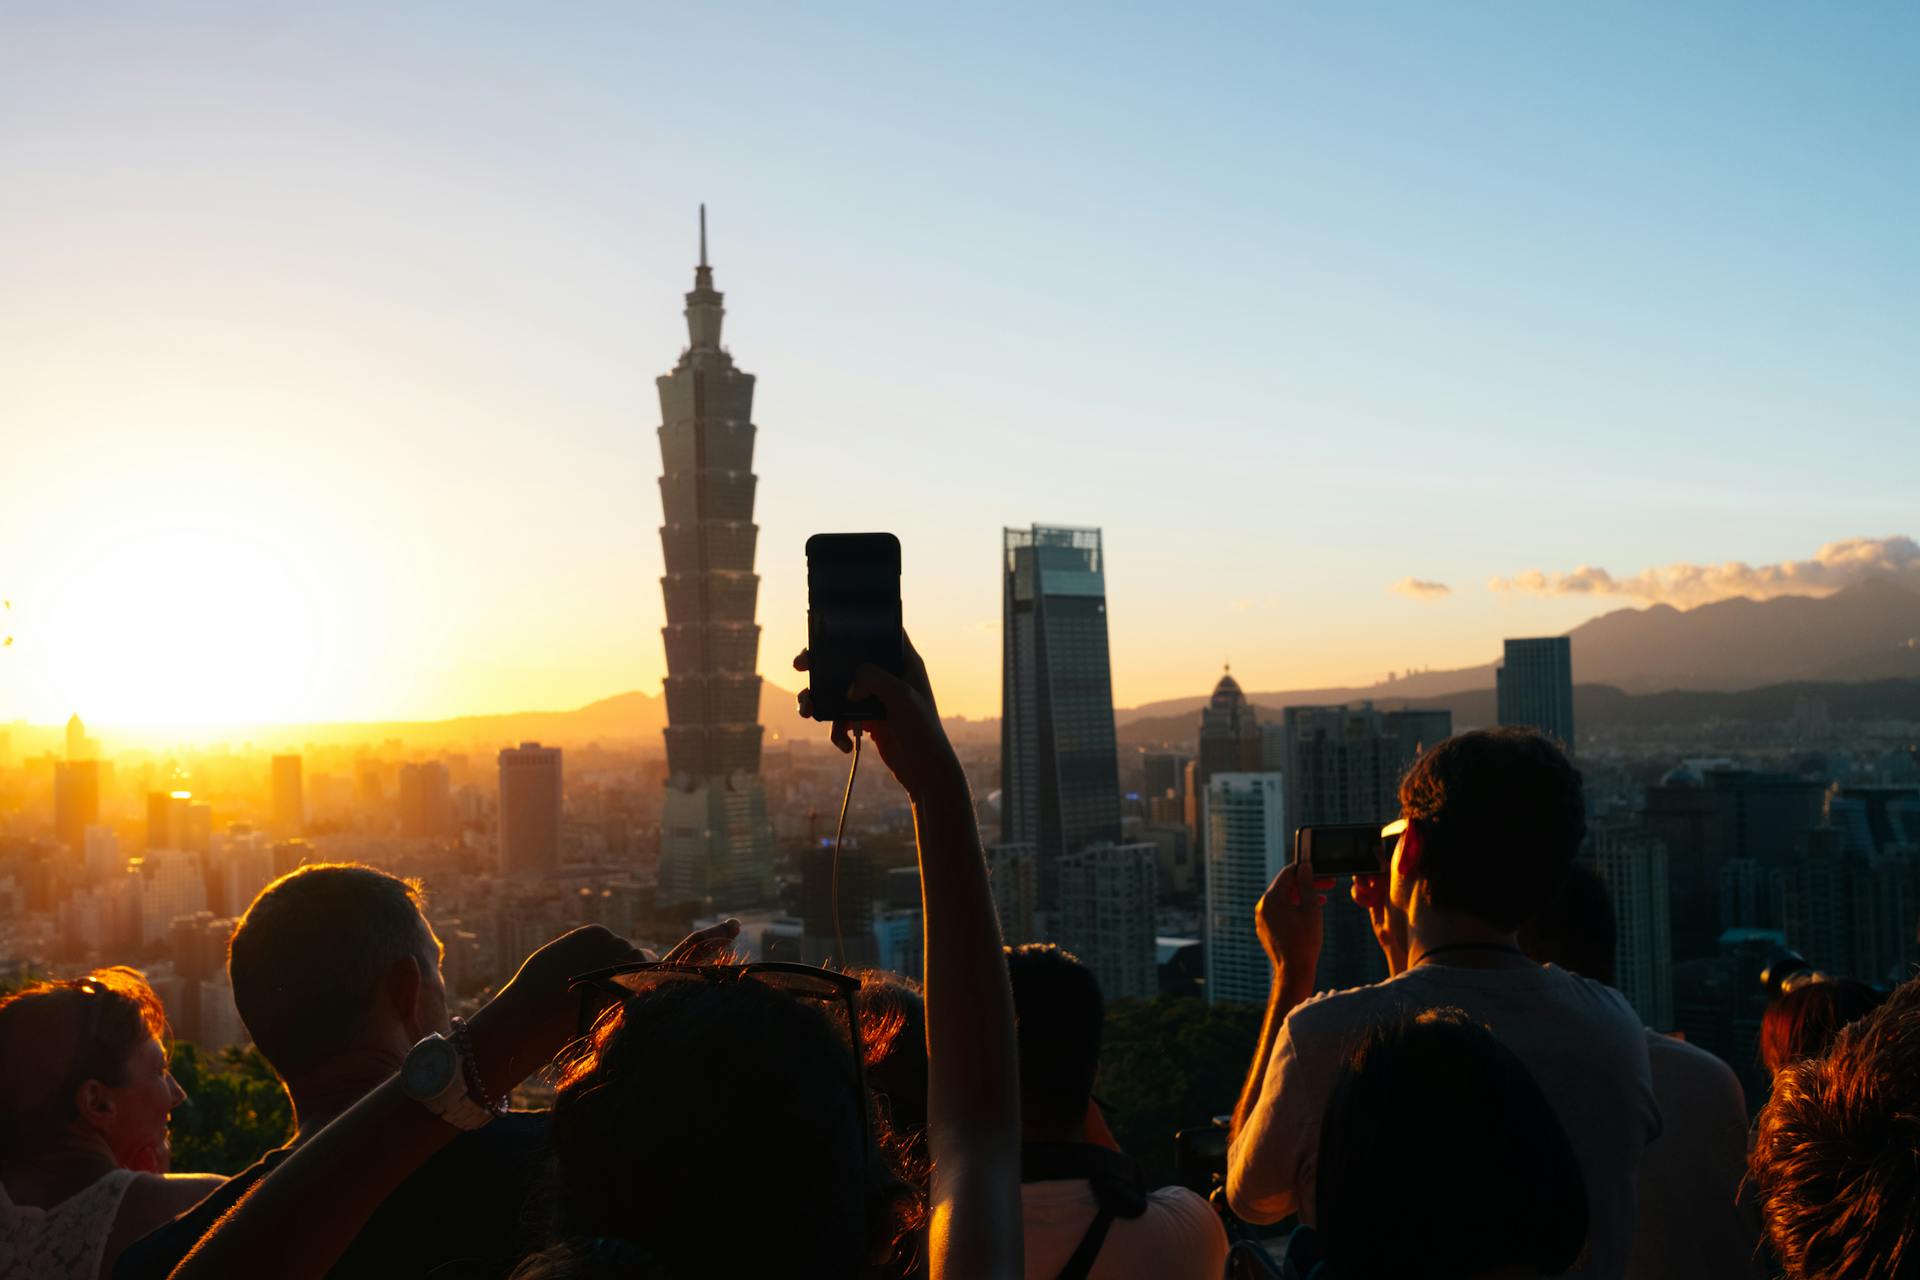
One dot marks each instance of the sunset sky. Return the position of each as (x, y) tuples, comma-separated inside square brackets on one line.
[(328, 332)]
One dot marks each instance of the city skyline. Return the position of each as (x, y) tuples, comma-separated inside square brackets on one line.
[(387, 444)]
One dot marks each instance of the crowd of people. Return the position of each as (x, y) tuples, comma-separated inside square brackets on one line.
[(1492, 1109)]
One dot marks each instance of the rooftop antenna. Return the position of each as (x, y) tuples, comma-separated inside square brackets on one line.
[(703, 235)]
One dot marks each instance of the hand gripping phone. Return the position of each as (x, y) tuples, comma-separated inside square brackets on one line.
[(1342, 848), (853, 616)]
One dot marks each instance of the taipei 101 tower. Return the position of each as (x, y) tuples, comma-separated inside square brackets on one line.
[(716, 846)]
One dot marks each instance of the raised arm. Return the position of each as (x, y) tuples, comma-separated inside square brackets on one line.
[(302, 1216), (1290, 928), (973, 1073)]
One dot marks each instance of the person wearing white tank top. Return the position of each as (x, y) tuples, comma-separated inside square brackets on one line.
[(84, 1099)]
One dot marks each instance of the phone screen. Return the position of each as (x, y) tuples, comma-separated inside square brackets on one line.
[(1341, 849), (853, 616)]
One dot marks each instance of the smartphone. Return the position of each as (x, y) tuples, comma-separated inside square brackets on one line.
[(853, 616), (1341, 848)]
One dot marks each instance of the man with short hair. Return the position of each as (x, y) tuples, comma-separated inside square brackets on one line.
[(1693, 1220), (336, 974), (1086, 1212), (1490, 822)]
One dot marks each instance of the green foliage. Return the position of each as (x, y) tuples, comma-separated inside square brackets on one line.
[(235, 1110), (1168, 1065)]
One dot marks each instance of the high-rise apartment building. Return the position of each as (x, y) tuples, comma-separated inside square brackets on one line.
[(1344, 764), (76, 801), (530, 796), (1245, 815), (1534, 687), (426, 799), (716, 840), (1106, 916), (289, 798), (1059, 765), (1633, 862)]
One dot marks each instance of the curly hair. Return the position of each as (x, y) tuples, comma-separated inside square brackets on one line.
[(55, 1036), (1836, 1152), (1802, 1023), (1502, 813)]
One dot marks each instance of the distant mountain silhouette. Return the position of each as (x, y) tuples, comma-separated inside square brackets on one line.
[(1600, 706), (1869, 631)]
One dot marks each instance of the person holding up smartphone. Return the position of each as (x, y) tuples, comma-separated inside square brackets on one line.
[(300, 1217)]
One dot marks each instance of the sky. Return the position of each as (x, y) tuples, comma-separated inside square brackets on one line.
[(327, 332)]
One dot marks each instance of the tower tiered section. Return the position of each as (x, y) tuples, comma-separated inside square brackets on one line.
[(716, 846)]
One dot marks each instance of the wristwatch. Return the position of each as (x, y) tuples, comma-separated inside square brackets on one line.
[(435, 1076)]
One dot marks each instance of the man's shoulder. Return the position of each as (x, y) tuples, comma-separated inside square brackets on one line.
[(1678, 1065)]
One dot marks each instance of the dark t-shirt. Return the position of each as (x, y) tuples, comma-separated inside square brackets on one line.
[(473, 1203)]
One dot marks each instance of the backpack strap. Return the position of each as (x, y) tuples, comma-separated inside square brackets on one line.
[(1080, 1265)]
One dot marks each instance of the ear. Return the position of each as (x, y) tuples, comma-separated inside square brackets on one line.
[(1409, 858), (94, 1103), (402, 991)]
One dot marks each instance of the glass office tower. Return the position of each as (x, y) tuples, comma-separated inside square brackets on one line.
[(1060, 773)]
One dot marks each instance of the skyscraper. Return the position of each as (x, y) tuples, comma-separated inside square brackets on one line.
[(1060, 768), (716, 841), (1247, 845), (76, 801), (1344, 765), (289, 797), (1535, 687), (1013, 873), (1106, 916), (530, 792), (1229, 732), (79, 746)]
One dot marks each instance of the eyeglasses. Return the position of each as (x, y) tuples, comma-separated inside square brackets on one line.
[(622, 982)]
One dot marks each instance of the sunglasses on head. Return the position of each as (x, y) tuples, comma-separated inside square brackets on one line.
[(622, 982)]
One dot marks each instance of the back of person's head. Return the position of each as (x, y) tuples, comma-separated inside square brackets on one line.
[(713, 1128), (1440, 1157), (1058, 1011), (1836, 1152), (313, 954), (894, 1018), (1803, 1022), (1575, 929), (1501, 815), (57, 1036)]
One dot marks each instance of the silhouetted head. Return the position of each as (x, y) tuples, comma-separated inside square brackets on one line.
[(1575, 930), (332, 958), (1836, 1152), (1441, 1158), (1803, 1022), (709, 1128), (1058, 1011), (1496, 816), (86, 1057)]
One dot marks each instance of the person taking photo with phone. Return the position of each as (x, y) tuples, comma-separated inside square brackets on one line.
[(1493, 820)]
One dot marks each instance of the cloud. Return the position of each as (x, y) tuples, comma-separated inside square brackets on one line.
[(1420, 589), (1836, 565)]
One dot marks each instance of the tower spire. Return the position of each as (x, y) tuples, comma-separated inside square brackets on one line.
[(703, 234)]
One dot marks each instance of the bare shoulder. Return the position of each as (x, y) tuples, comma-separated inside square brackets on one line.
[(154, 1198)]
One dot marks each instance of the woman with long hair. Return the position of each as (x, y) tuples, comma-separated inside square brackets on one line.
[(84, 1098)]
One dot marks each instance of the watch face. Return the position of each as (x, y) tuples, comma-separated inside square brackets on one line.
[(429, 1068)]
